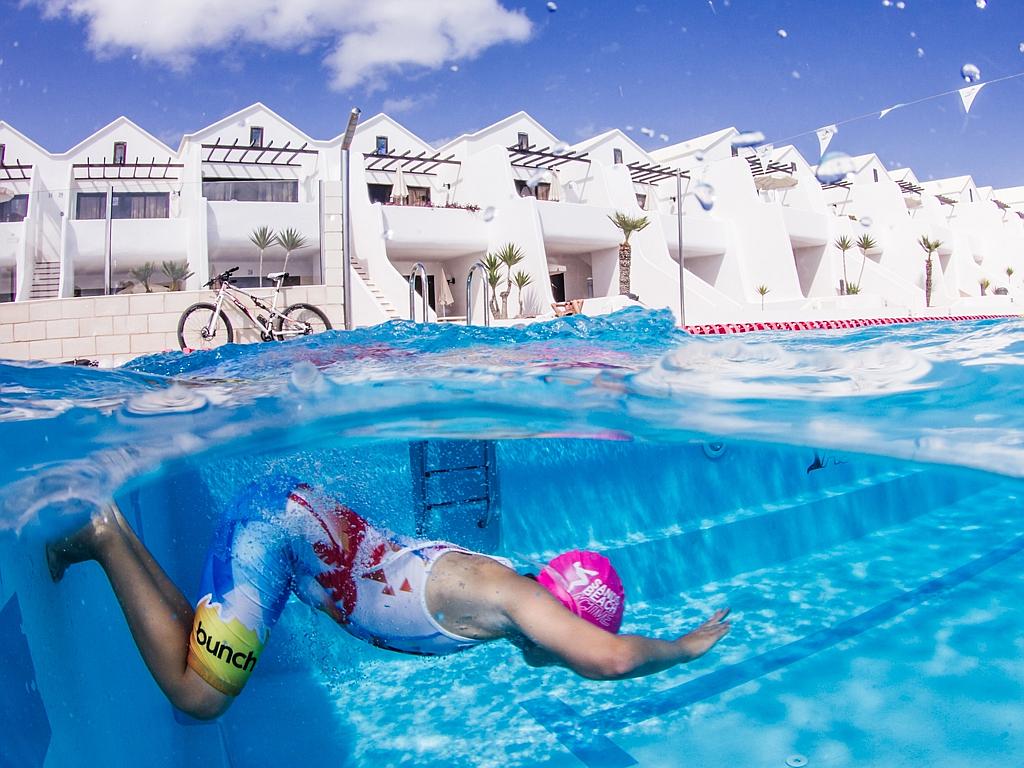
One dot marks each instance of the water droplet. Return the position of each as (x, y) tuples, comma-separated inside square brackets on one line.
[(748, 139), (887, 3), (970, 73), (454, 67), (982, 4), (913, 34), (782, 33), (699, 157), (796, 761), (920, 53), (490, 212), (15, 44), (1019, 48), (663, 136), (834, 167), (900, 4), (705, 195), (388, 233), (630, 127), (647, 132), (552, 7), (305, 377), (865, 221), (560, 148), (795, 75), (539, 176)]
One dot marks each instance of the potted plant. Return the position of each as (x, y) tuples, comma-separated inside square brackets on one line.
[(930, 246), (143, 273), (628, 224), (843, 243), (177, 272)]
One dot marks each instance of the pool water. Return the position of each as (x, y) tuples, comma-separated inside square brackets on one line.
[(852, 495)]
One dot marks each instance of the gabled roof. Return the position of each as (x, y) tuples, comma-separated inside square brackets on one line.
[(259, 108), (615, 133), (951, 185), (698, 144), (381, 121), (5, 126), (110, 128), (505, 121)]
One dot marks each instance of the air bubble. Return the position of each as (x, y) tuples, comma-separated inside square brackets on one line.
[(900, 5), (454, 67), (796, 761), (920, 53), (1019, 48), (647, 132), (834, 167), (865, 221), (539, 177), (388, 233), (748, 139), (699, 157), (630, 127), (982, 4), (705, 195), (887, 3), (663, 136), (560, 148), (306, 377), (795, 75), (552, 7), (782, 33), (490, 212), (970, 73)]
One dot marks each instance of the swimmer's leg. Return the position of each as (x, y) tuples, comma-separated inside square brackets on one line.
[(158, 616)]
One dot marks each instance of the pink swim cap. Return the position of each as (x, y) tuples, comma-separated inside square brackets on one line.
[(586, 584)]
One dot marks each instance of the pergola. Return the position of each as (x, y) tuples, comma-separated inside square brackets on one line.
[(908, 187), (104, 171), (945, 200), (649, 173), (544, 158), (15, 172), (757, 168), (255, 154), (423, 163), (836, 185)]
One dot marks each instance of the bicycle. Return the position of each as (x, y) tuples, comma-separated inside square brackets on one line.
[(205, 325)]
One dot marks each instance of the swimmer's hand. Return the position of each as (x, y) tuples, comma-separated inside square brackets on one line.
[(703, 638)]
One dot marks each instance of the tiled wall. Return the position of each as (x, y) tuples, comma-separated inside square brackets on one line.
[(114, 329)]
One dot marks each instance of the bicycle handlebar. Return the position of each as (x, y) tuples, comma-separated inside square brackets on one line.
[(223, 277)]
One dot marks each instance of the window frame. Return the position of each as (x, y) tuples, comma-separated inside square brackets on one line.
[(8, 214), (149, 200), (523, 140), (256, 135), (616, 156), (122, 147), (81, 197), (380, 146), (231, 195)]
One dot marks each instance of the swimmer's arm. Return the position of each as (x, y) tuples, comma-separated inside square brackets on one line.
[(594, 653)]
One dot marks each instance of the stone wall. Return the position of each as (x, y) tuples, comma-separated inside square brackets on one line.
[(115, 329)]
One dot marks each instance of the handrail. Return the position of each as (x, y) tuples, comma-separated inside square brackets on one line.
[(417, 267), (469, 295)]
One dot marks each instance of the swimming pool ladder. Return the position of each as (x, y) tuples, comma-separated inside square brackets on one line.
[(469, 294), (455, 491), (418, 268)]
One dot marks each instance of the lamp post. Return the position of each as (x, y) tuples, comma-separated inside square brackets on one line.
[(679, 230), (346, 218)]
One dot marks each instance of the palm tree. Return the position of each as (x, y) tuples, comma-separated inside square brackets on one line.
[(143, 273), (763, 289), (177, 272), (1009, 273), (628, 224), (844, 244), (984, 284), (865, 243), (521, 279), (290, 240), (930, 246), (492, 268), (510, 255), (262, 237)]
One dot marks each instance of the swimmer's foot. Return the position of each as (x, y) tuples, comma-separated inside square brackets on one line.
[(84, 544)]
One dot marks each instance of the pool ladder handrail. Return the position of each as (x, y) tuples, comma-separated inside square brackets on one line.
[(417, 267), (469, 295)]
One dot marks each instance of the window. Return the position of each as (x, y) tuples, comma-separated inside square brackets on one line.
[(15, 209), (251, 191), (617, 156), (419, 195), (255, 136), (140, 205), (379, 193), (382, 145), (91, 205), (120, 152), (641, 200), (3, 151), (971, 193), (523, 141), (875, 172)]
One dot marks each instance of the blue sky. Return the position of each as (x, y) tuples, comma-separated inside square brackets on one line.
[(678, 67)]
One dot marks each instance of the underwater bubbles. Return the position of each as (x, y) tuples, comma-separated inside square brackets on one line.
[(865, 221), (834, 167), (982, 4), (705, 195), (552, 7), (1021, 47), (748, 139), (647, 132), (490, 212), (539, 176), (175, 399), (920, 53), (560, 148), (970, 73), (699, 157), (782, 33), (388, 233)]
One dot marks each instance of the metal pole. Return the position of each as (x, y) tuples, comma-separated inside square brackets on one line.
[(417, 268), (469, 294), (107, 245), (679, 230), (346, 218)]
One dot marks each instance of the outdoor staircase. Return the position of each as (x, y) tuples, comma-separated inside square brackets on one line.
[(382, 300), (45, 280), (455, 492)]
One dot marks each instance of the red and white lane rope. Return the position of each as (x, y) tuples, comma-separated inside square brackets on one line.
[(827, 325)]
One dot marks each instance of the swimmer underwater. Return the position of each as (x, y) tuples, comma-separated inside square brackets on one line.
[(413, 596)]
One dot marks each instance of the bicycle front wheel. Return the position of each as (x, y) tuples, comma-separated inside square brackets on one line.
[(301, 320), (202, 327)]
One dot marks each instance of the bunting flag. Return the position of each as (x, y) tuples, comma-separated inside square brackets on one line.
[(887, 110), (968, 94), (825, 135)]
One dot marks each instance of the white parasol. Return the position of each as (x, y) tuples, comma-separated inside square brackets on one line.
[(399, 190), (555, 191)]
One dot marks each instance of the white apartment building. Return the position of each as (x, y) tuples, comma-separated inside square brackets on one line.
[(759, 231)]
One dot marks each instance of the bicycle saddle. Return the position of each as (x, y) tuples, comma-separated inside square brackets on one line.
[(277, 275)]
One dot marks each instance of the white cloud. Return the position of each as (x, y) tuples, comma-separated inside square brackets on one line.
[(367, 41), (406, 103)]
